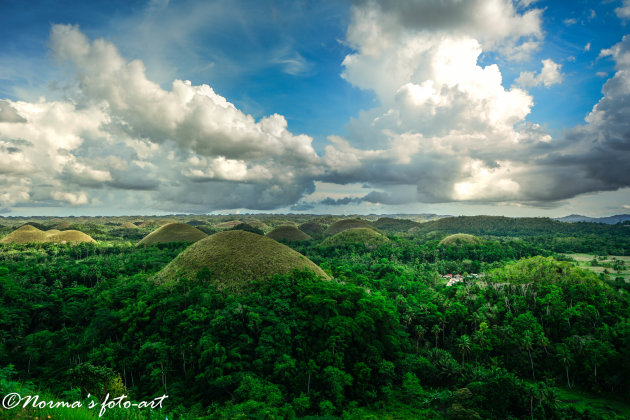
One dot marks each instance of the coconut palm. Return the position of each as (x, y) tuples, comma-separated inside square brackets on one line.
[(464, 346)]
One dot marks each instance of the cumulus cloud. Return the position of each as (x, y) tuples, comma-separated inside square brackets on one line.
[(599, 150), (448, 130), (624, 11), (8, 113), (445, 127), (120, 131), (549, 75)]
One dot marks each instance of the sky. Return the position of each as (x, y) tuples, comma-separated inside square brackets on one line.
[(501, 107)]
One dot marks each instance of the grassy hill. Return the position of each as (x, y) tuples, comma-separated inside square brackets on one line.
[(235, 258), (509, 226), (28, 234), (258, 225), (391, 225), (364, 236), (312, 228), (288, 233), (228, 225), (459, 239), (345, 224), (173, 232)]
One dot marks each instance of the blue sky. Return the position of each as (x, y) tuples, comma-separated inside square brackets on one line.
[(333, 107)]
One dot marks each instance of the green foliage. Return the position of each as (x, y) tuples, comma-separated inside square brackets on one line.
[(385, 337)]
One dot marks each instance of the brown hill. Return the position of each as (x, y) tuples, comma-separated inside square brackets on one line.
[(311, 228), (288, 233), (27, 233), (342, 225), (66, 236), (459, 239), (235, 258), (173, 232), (228, 225), (364, 236)]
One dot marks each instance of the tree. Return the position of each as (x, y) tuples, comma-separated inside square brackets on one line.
[(464, 346), (564, 355)]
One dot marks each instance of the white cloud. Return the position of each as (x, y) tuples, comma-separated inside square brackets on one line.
[(468, 137), (189, 146), (624, 11), (526, 3), (570, 21), (446, 128), (587, 47), (8, 114), (74, 199), (549, 75), (445, 125)]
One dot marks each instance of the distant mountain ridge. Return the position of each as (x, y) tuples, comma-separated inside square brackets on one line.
[(609, 220)]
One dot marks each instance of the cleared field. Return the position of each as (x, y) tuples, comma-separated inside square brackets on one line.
[(609, 263)]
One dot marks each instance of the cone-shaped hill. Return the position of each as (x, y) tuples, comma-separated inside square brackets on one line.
[(173, 232), (389, 224), (28, 233), (312, 228), (128, 225), (157, 222), (235, 258), (64, 225), (342, 225), (25, 234), (365, 236), (258, 225), (228, 225), (73, 236), (459, 239), (288, 233)]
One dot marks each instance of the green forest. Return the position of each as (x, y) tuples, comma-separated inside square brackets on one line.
[(455, 318)]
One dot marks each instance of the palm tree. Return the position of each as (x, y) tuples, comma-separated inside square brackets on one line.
[(419, 335), (464, 346), (528, 344), (565, 357), (436, 331)]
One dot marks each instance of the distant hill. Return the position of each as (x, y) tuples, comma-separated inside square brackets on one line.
[(288, 233), (311, 228), (342, 225), (392, 225), (609, 220), (173, 232), (365, 236), (28, 234), (459, 239), (228, 225), (509, 226)]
